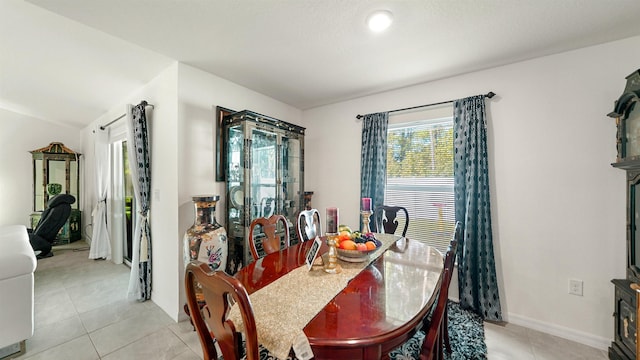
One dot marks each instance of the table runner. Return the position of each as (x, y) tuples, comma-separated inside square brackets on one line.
[(283, 308)]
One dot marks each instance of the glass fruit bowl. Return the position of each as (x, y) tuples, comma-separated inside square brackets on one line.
[(354, 255)]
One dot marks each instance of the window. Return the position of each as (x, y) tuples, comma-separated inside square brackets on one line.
[(420, 176)]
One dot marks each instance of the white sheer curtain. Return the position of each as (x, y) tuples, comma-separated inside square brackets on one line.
[(100, 242)]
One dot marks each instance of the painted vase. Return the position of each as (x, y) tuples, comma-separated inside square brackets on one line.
[(206, 240)]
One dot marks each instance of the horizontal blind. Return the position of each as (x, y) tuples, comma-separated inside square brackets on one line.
[(420, 178)]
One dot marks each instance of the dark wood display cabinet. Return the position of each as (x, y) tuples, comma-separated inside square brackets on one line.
[(627, 114), (264, 170)]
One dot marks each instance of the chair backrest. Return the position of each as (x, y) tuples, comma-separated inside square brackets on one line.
[(385, 219), (270, 239), (218, 288), (54, 216), (432, 345), (309, 225)]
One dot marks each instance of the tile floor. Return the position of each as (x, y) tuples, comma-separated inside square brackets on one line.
[(81, 312)]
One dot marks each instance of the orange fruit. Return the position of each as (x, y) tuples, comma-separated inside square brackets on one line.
[(348, 245), (370, 245), (344, 236)]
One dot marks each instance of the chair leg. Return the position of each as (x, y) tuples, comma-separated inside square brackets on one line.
[(445, 331)]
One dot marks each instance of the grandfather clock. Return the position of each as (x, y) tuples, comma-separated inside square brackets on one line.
[(56, 170), (627, 114)]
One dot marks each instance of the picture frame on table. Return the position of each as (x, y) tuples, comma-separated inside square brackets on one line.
[(221, 112), (313, 252)]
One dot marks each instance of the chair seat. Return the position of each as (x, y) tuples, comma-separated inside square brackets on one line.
[(410, 350)]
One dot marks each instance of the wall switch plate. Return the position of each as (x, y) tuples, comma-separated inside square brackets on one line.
[(575, 287)]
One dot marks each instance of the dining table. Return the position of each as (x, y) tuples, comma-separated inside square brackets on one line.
[(363, 312)]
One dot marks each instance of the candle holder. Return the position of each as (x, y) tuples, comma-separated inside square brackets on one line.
[(332, 266), (365, 221)]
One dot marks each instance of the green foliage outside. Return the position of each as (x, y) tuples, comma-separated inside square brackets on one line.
[(420, 152)]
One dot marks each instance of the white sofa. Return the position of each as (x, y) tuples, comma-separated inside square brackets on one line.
[(17, 264)]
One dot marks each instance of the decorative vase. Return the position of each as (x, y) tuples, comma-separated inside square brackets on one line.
[(206, 240)]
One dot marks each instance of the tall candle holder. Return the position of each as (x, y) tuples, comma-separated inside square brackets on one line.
[(365, 221), (332, 266)]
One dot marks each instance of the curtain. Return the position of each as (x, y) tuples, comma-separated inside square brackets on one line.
[(100, 242), (139, 165), (477, 282), (373, 158)]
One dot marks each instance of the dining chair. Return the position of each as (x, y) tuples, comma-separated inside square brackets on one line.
[(457, 239), (427, 343), (309, 225), (270, 239), (218, 288), (385, 219), (436, 333)]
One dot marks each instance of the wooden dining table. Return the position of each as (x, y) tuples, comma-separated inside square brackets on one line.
[(378, 309)]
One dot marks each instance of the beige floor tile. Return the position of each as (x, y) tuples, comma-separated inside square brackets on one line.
[(160, 345), (79, 348), (49, 336), (184, 330), (112, 313), (122, 333)]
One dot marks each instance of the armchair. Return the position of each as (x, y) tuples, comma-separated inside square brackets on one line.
[(52, 219)]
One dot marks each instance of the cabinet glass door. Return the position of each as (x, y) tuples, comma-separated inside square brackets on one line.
[(290, 168), (235, 181), (633, 253), (263, 173)]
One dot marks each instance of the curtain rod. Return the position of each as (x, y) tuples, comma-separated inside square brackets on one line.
[(102, 127), (490, 94)]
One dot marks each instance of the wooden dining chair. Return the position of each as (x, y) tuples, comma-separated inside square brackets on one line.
[(309, 226), (270, 239), (211, 322), (385, 219), (428, 342), (436, 330)]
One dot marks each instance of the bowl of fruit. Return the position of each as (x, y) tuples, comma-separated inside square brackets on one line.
[(354, 246)]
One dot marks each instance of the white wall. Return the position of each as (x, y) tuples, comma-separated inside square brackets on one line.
[(163, 123), (199, 94), (20, 134), (182, 127), (558, 206)]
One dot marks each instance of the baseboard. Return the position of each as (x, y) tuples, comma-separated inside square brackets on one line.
[(597, 342), (13, 351)]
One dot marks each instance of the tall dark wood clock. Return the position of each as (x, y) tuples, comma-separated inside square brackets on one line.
[(627, 114)]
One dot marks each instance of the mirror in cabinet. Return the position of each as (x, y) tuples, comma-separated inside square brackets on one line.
[(264, 176)]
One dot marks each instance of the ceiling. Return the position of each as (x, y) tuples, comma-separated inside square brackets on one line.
[(69, 61)]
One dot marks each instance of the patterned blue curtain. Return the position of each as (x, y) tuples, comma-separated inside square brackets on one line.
[(140, 166), (373, 158), (476, 264)]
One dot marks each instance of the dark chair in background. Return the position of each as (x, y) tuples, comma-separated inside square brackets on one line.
[(385, 219), (309, 225), (270, 237), (52, 220)]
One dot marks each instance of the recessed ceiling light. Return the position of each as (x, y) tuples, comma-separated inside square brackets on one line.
[(379, 20)]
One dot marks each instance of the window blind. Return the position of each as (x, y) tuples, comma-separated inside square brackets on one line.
[(420, 177)]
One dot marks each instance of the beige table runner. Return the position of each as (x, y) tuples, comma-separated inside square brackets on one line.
[(283, 308)]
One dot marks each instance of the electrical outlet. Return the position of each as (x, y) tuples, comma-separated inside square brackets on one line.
[(575, 287)]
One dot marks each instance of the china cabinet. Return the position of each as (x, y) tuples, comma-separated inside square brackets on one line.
[(627, 114), (264, 160), (56, 170)]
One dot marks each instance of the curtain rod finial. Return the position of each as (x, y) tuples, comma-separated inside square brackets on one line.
[(491, 94)]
